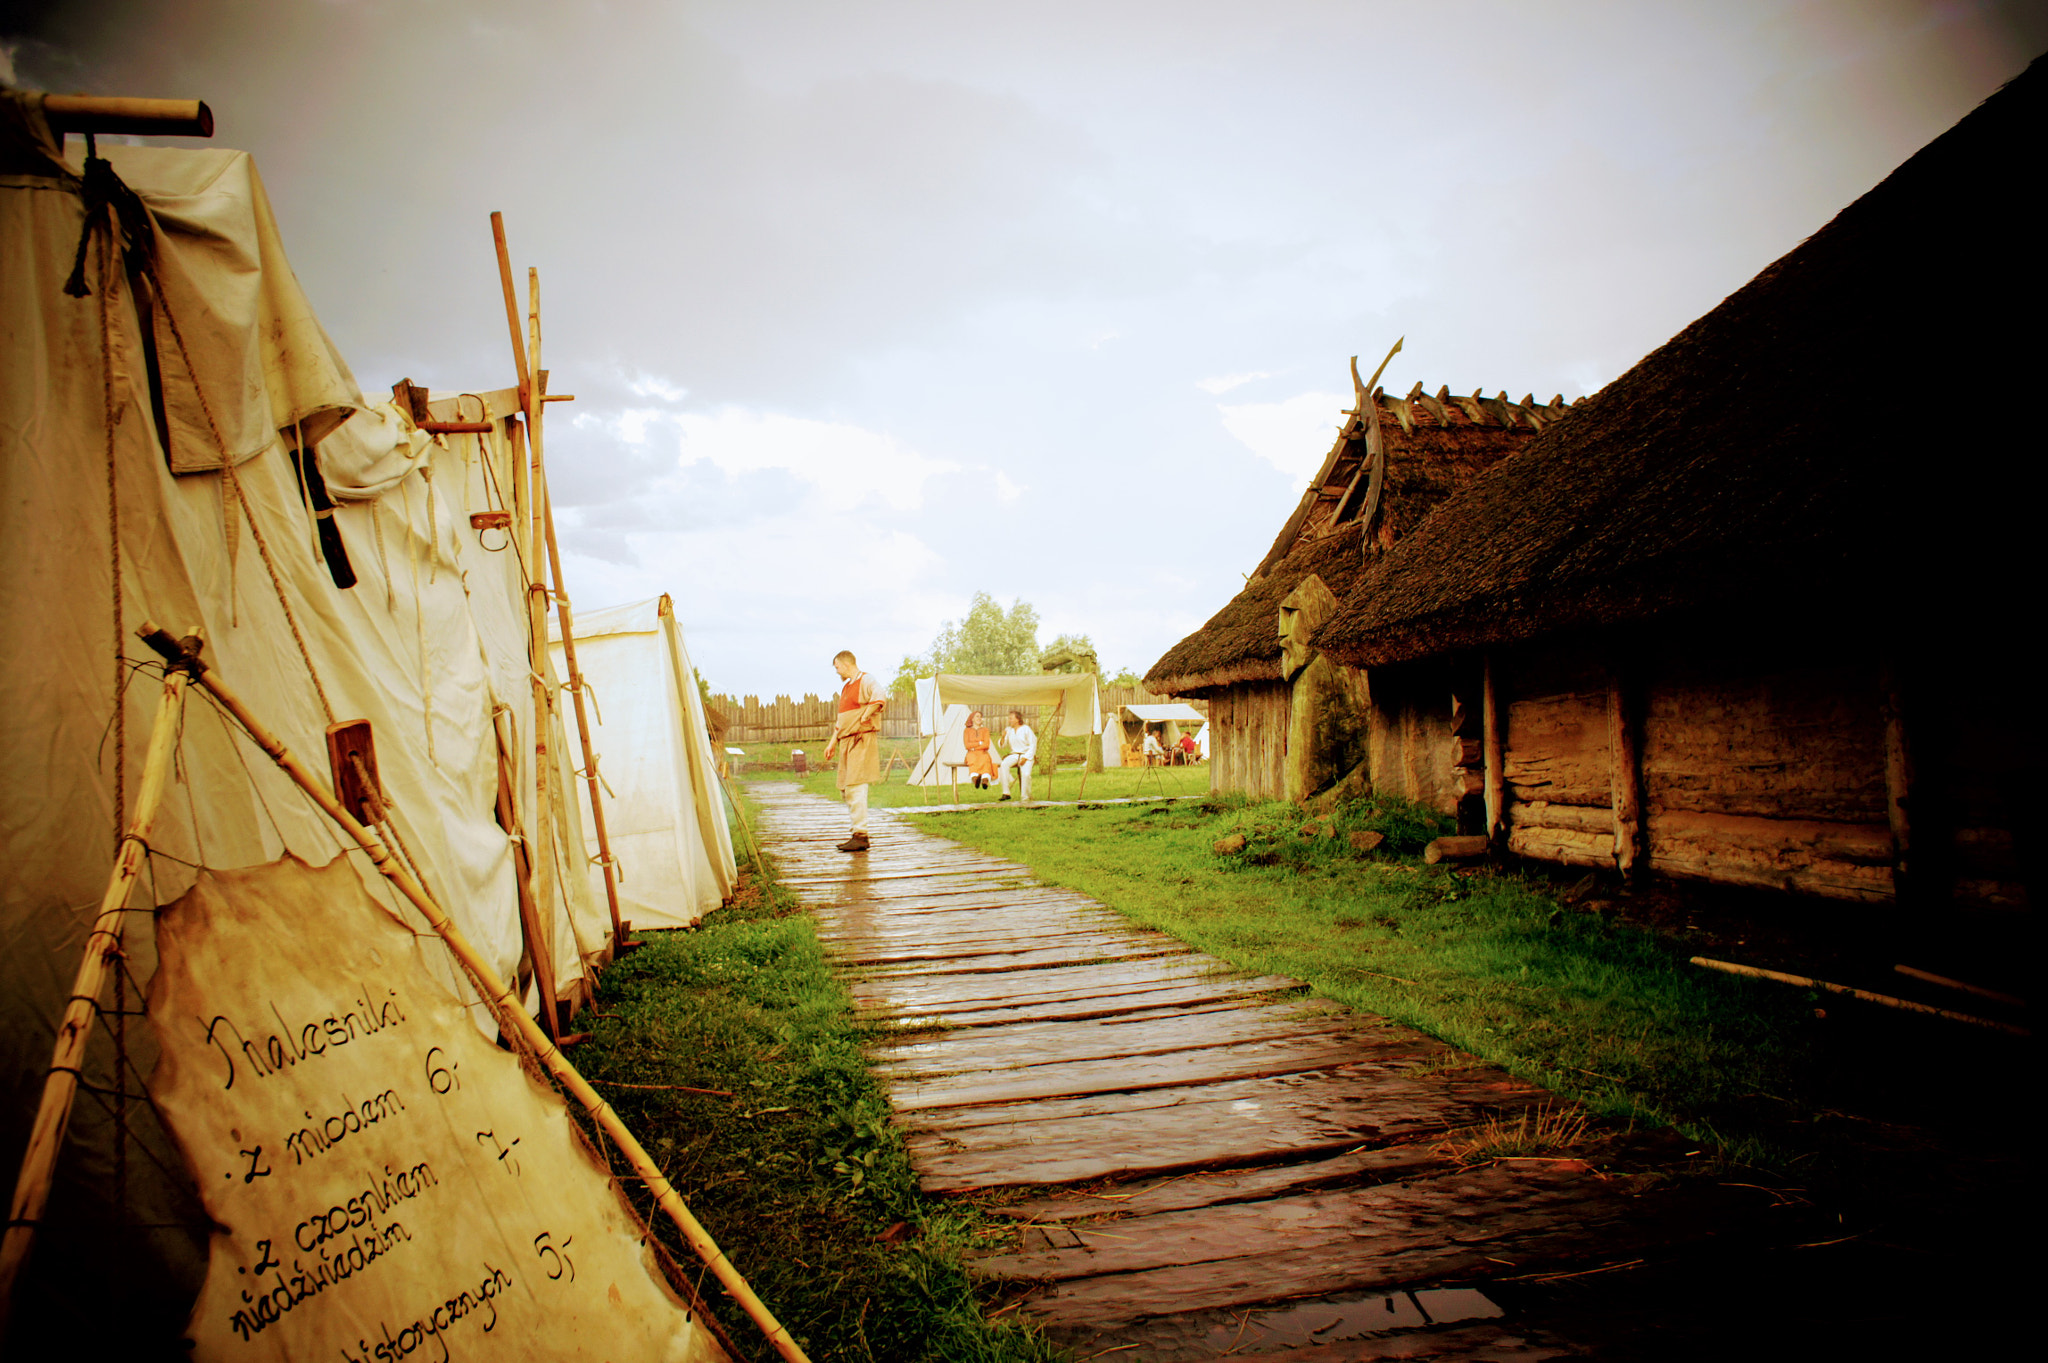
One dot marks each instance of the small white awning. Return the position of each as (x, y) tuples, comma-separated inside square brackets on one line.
[(1179, 711)]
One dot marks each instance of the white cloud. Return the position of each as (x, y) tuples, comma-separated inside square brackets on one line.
[(845, 463), (1006, 489), (1294, 435), (644, 385), (1223, 383)]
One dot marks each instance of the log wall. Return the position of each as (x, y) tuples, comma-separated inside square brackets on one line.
[(1410, 748), (1248, 738)]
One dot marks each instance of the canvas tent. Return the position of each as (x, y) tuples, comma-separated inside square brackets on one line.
[(182, 443), (666, 811), (945, 756), (1074, 692)]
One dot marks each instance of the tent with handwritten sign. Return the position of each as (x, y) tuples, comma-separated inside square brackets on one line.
[(184, 445)]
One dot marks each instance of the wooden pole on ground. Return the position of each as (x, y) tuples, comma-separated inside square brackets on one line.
[(1885, 1000), (487, 981), (102, 946)]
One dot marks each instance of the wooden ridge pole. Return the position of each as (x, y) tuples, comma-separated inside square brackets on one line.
[(102, 946), (505, 1005)]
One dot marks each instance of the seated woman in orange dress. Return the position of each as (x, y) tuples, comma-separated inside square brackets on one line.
[(981, 763)]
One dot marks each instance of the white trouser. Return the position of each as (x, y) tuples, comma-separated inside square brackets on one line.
[(1015, 760), (857, 805)]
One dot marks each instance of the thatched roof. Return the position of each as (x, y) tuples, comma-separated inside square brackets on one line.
[(1434, 444), (1770, 458)]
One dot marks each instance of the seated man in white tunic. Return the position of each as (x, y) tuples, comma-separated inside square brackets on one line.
[(1023, 745)]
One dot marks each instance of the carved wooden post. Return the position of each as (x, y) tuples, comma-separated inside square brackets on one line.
[(1493, 741), (1625, 768), (1898, 780)]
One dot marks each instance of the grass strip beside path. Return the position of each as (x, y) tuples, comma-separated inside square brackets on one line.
[(798, 1175)]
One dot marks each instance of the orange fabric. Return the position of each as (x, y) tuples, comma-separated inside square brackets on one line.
[(979, 759), (849, 695)]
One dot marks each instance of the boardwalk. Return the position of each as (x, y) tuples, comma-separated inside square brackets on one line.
[(1201, 1162)]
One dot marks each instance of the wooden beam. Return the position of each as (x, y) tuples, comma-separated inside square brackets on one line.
[(1625, 771), (118, 114), (1493, 739), (1898, 779)]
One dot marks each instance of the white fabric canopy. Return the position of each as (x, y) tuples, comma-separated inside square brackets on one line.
[(1083, 714), (666, 814), (1178, 711)]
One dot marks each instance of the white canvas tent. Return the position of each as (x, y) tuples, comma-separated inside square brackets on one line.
[(1075, 692), (665, 808), (944, 759), (108, 518)]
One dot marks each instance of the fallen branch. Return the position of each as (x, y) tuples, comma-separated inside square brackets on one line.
[(670, 1088)]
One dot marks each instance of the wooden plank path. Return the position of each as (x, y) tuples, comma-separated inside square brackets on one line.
[(1201, 1162)]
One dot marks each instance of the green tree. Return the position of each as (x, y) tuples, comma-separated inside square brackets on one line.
[(987, 642), (1070, 653)]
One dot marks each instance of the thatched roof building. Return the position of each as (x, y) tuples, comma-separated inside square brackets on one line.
[(1434, 444), (1773, 447), (1749, 614)]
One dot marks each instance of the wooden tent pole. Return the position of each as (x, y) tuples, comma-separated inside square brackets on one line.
[(1884, 1000), (575, 685), (102, 946), (543, 832), (506, 1006)]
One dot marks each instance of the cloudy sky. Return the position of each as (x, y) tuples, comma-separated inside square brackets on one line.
[(868, 306)]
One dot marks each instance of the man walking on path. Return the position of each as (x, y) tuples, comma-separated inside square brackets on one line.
[(859, 727)]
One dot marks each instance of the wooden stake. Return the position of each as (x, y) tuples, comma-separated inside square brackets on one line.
[(537, 946), (1492, 738), (1625, 772), (102, 946), (544, 1050), (701, 779), (1886, 1000)]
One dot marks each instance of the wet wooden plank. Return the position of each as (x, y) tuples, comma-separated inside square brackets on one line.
[(1080, 981), (1114, 1005), (975, 950), (1213, 1188), (1027, 1044), (1248, 1060), (1033, 958), (1255, 1123), (1486, 1342), (1476, 1224)]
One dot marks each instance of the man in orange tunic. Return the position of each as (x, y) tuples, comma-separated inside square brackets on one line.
[(859, 728)]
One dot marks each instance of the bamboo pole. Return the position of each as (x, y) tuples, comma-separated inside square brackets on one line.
[(575, 684), (543, 832), (507, 1007), (1885, 1000), (102, 945)]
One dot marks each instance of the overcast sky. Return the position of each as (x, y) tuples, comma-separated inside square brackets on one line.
[(868, 306)]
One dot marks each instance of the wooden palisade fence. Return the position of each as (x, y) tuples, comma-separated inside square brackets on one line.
[(749, 719)]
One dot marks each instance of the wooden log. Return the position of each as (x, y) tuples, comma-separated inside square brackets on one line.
[(1457, 848), (120, 114), (1573, 847), (1492, 737), (1625, 771), (1883, 1000), (102, 947), (1466, 752), (1544, 814), (1898, 778)]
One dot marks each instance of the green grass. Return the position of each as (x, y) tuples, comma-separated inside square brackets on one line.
[(798, 1175), (1485, 960)]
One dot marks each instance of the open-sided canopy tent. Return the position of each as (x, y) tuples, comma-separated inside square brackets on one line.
[(1171, 714), (1080, 716), (665, 810), (106, 520)]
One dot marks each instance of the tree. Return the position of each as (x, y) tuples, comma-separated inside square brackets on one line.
[(1069, 653), (988, 642)]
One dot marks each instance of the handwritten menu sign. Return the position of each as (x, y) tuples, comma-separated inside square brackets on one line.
[(386, 1184)]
